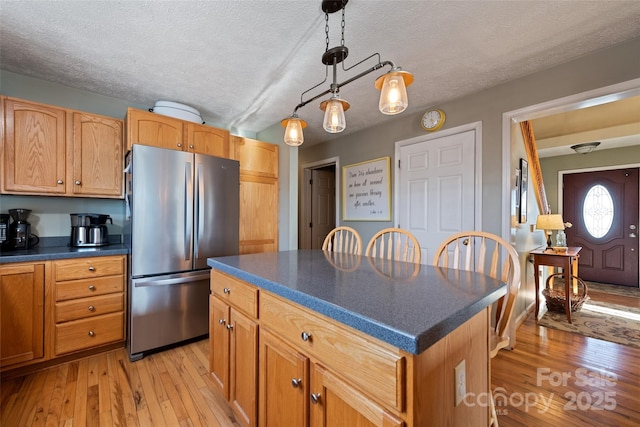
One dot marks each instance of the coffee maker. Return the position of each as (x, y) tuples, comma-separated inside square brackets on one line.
[(89, 229), (20, 236)]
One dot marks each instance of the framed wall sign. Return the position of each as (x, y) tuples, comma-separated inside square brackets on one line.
[(524, 184), (366, 191)]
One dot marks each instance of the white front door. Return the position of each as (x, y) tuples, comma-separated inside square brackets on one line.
[(436, 187)]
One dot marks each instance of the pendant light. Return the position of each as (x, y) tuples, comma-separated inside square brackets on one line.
[(392, 85)]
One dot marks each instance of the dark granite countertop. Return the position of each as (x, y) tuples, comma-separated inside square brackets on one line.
[(410, 306), (51, 248)]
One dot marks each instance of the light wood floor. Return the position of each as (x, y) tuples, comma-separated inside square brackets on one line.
[(173, 388)]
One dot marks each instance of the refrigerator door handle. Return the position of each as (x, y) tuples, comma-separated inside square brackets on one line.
[(170, 281), (188, 223), (199, 207)]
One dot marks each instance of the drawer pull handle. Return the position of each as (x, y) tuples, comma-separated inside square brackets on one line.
[(229, 327), (306, 336), (91, 333), (226, 291), (222, 321), (92, 268), (315, 398), (91, 308), (295, 382), (92, 288)]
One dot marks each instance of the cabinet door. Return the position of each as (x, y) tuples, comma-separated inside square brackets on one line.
[(207, 140), (97, 156), (258, 214), (335, 403), (243, 367), (219, 344), (34, 148), (284, 384), (148, 128), (256, 157), (21, 313)]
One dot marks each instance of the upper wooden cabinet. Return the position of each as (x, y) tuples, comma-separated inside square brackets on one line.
[(56, 151), (34, 148), (146, 128), (256, 158), (97, 156)]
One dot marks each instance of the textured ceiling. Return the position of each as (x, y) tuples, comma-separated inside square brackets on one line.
[(244, 64)]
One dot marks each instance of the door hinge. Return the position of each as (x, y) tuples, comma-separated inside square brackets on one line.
[(398, 163), (310, 182), (310, 225)]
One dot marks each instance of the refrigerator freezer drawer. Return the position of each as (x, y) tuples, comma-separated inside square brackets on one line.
[(166, 310)]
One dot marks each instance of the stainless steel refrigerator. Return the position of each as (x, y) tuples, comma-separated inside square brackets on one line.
[(182, 208)]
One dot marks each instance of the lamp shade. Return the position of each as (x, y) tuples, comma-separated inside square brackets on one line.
[(393, 91), (293, 134), (334, 120), (550, 222)]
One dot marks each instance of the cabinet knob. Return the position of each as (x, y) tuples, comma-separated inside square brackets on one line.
[(179, 145), (191, 146), (92, 288), (92, 268), (229, 327), (60, 181), (315, 398), (222, 321), (91, 333), (226, 290), (295, 382), (306, 336), (91, 308), (77, 182)]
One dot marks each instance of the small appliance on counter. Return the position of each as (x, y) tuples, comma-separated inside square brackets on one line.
[(4, 231), (20, 236), (89, 229)]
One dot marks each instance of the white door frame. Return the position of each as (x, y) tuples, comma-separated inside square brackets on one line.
[(475, 126), (568, 103)]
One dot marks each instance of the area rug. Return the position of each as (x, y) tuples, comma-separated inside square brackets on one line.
[(625, 291), (609, 322)]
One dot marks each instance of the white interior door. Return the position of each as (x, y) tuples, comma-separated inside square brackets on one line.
[(436, 188)]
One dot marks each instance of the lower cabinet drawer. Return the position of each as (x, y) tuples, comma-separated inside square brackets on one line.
[(88, 333), (374, 368), (89, 307), (89, 287)]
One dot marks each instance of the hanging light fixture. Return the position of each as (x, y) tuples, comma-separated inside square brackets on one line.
[(392, 86)]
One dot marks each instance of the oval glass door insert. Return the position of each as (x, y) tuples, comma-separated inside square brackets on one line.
[(597, 211)]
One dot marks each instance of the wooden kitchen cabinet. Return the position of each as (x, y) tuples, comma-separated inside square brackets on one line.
[(57, 151), (284, 383), (89, 303), (22, 296), (98, 153), (258, 194), (34, 148), (233, 340), (147, 128)]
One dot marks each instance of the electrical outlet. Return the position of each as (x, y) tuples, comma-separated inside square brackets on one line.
[(460, 382)]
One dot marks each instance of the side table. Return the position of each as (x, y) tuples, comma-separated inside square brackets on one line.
[(568, 261)]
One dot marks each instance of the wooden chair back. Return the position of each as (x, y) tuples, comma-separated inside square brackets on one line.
[(488, 254), (343, 239), (394, 244)]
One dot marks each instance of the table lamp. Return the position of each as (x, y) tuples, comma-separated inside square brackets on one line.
[(548, 223)]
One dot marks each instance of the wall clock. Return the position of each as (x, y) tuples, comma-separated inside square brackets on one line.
[(433, 120)]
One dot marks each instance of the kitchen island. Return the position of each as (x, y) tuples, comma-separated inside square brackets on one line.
[(336, 338)]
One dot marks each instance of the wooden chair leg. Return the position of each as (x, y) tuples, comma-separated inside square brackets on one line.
[(493, 419)]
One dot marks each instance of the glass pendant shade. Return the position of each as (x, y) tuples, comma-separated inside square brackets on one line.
[(334, 120), (393, 96), (293, 134)]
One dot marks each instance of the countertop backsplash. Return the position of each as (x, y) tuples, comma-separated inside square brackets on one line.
[(50, 215)]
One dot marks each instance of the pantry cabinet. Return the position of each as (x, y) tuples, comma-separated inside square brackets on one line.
[(147, 128), (233, 341), (22, 299), (56, 151), (258, 194)]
